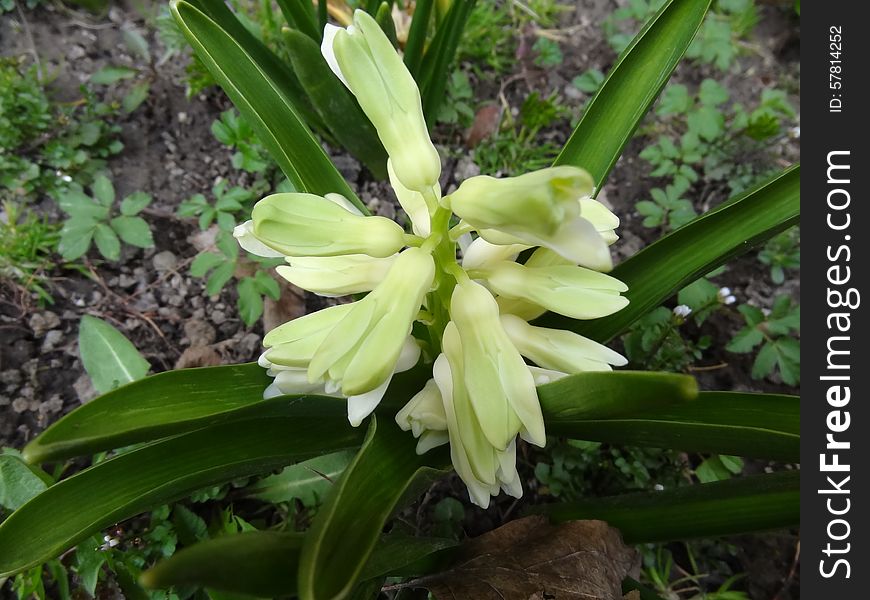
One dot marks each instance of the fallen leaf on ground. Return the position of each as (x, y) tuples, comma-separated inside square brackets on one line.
[(198, 356), (530, 558), (291, 305)]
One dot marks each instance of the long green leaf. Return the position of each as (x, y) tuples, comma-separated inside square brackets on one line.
[(175, 402), (155, 407), (259, 98), (339, 542), (757, 425), (274, 67), (631, 87), (439, 57), (109, 358), (300, 14), (613, 394), (264, 563), (741, 505), (259, 563), (136, 481), (338, 109), (417, 36), (668, 265)]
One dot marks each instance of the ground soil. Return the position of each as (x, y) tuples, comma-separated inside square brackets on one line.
[(171, 153)]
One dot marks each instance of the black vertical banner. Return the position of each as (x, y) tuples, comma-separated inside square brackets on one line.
[(835, 421)]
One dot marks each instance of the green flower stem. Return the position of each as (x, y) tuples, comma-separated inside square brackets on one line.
[(444, 253)]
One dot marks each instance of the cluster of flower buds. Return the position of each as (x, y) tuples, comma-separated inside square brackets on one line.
[(463, 283)]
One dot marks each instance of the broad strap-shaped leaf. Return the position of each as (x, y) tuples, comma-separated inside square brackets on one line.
[(258, 563), (740, 505), (679, 258), (742, 424), (136, 481), (436, 62), (417, 36), (632, 85), (300, 14), (335, 105), (275, 68), (177, 401), (347, 527), (254, 90), (264, 563), (158, 406), (597, 395)]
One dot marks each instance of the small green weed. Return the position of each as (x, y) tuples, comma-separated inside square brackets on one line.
[(92, 218), (782, 253), (775, 331), (44, 146), (27, 242)]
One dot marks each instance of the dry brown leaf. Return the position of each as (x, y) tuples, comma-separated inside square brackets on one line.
[(531, 559), (198, 356), (291, 305), (486, 123), (632, 595)]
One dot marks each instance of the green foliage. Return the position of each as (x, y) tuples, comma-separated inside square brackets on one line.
[(308, 481), (718, 467), (457, 108), (774, 331), (782, 253), (574, 469), (702, 137), (9, 5), (27, 242), (229, 204), (547, 52), (668, 208), (490, 41), (717, 42), (690, 579), (588, 81), (221, 266), (93, 218), (231, 130), (447, 518), (657, 343), (45, 147), (516, 147)]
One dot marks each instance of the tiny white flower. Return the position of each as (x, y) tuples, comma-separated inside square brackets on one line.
[(682, 311)]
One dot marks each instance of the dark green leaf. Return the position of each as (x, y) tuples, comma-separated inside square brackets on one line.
[(742, 424), (18, 483), (158, 406), (135, 481), (257, 84), (604, 395), (339, 542), (308, 481), (631, 87), (338, 109), (738, 505)]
